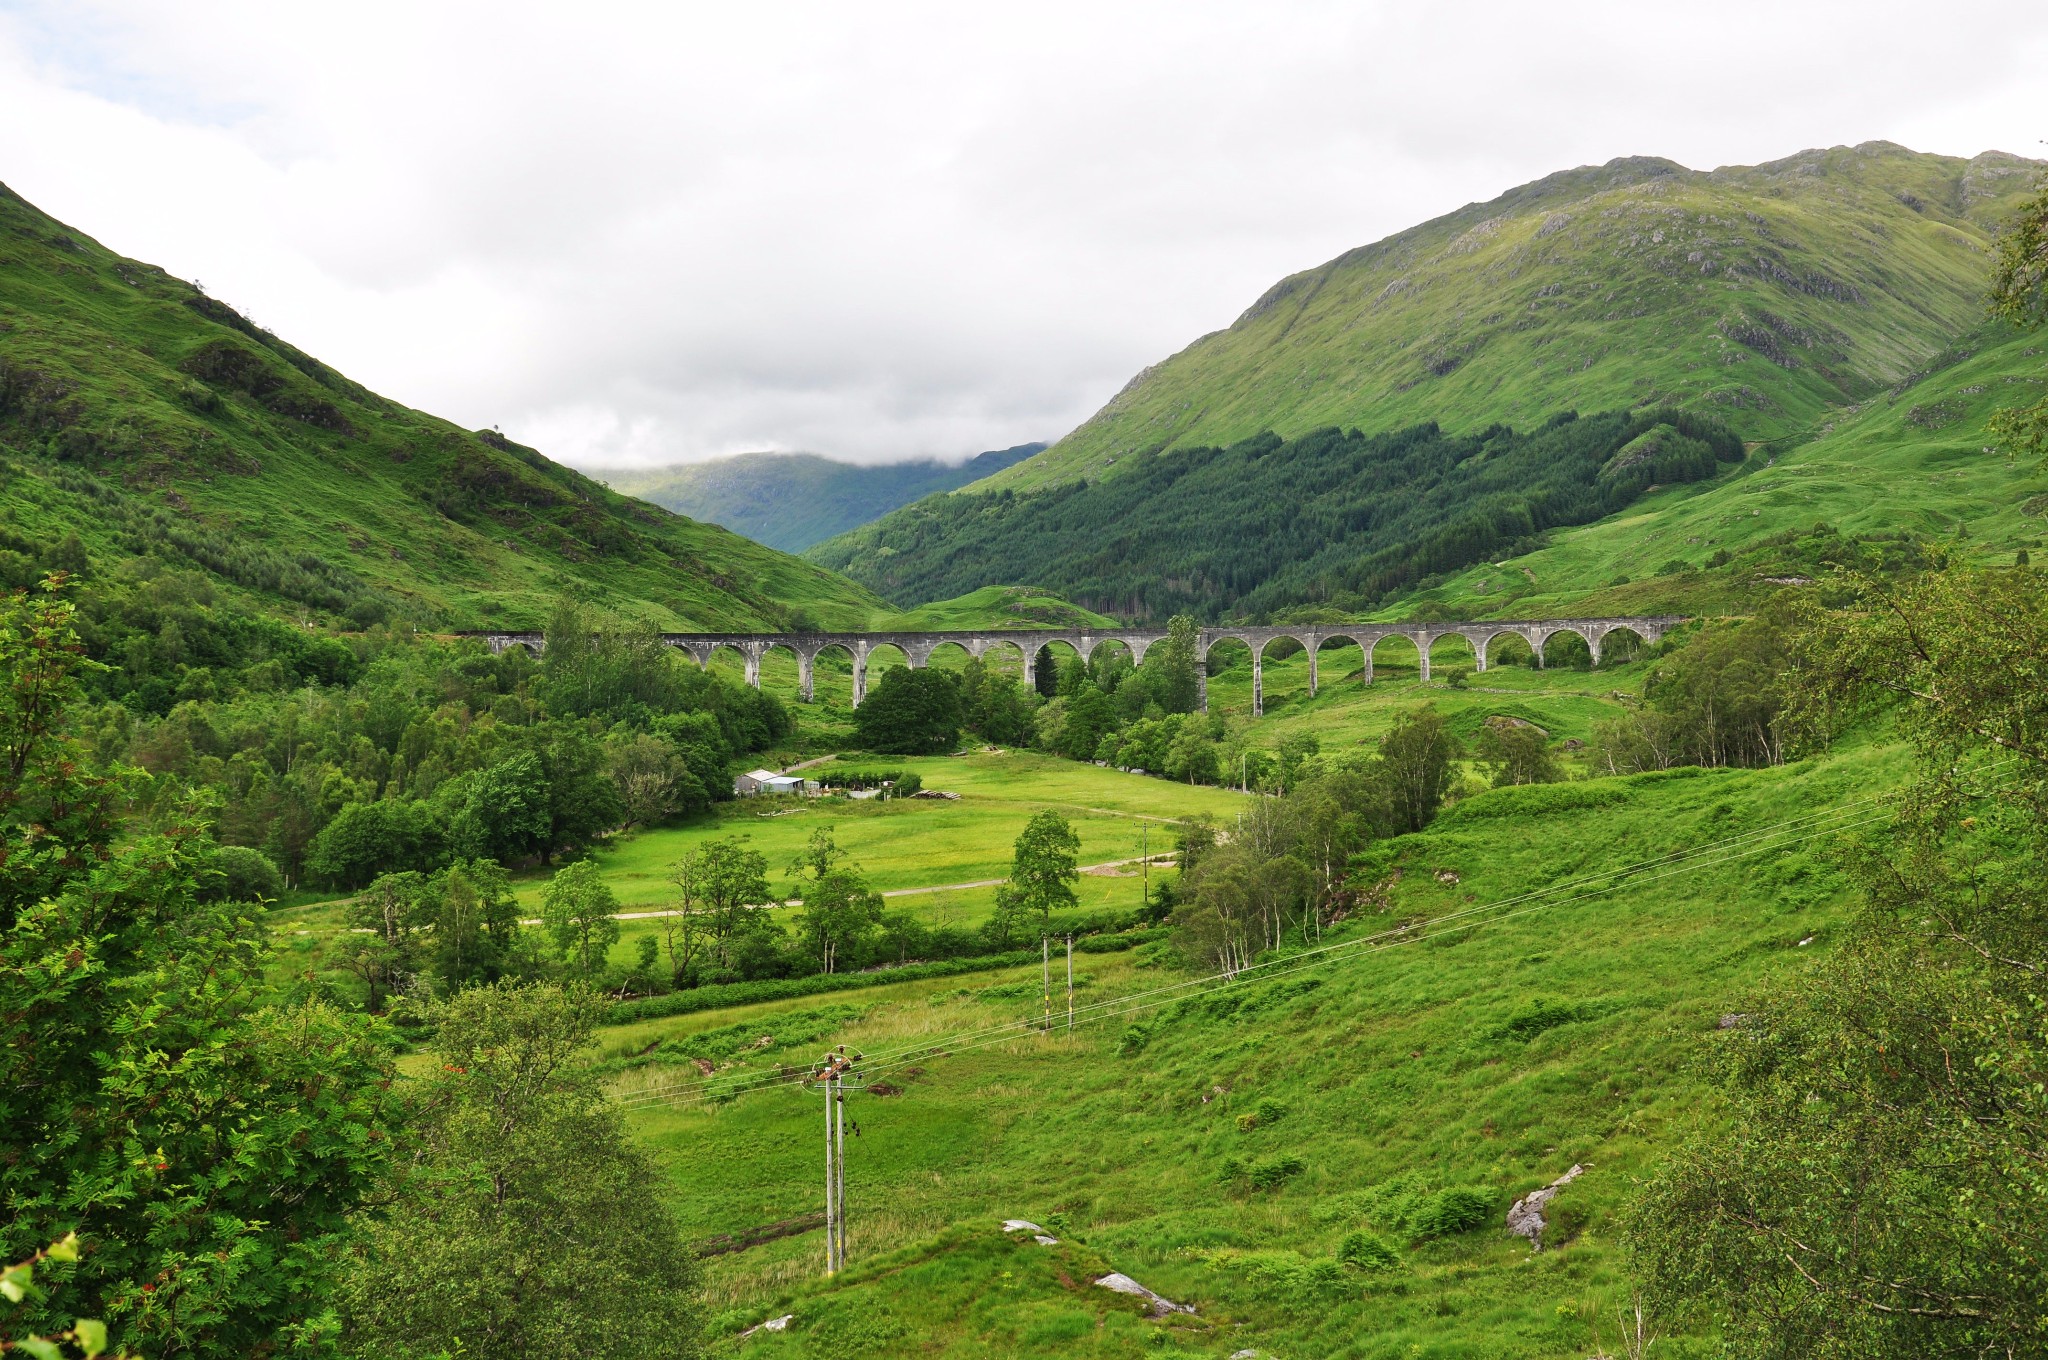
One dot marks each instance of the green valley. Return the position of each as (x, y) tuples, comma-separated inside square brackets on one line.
[(366, 992)]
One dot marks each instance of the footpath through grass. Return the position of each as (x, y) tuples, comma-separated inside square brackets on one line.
[(1222, 1150)]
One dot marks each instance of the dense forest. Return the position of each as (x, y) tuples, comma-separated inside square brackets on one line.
[(1337, 517)]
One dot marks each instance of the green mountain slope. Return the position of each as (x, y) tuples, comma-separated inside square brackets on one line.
[(150, 419), (1338, 518), (1918, 459), (1494, 522), (792, 500), (1767, 293)]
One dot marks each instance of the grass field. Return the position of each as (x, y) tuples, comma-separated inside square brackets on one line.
[(918, 842), (1492, 1058)]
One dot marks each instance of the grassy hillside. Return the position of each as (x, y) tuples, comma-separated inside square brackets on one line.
[(150, 419), (792, 500), (1768, 293), (1220, 1149), (1916, 459), (1336, 518)]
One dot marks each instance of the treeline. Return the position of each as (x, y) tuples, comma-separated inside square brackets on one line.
[(337, 759), (1339, 517), (417, 937)]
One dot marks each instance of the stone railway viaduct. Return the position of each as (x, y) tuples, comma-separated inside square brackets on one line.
[(917, 648)]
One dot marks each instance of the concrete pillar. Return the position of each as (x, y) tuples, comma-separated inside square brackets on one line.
[(1422, 652), (1479, 654), (1368, 659), (1202, 684), (1593, 646), (754, 667), (1540, 640), (860, 678), (1312, 672), (804, 662), (1258, 690)]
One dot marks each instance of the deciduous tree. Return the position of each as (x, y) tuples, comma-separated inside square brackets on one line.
[(577, 908), (526, 1224)]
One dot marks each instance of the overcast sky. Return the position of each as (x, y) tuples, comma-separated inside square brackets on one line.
[(657, 233)]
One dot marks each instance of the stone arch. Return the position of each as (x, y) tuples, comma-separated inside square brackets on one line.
[(1305, 641), (744, 648), (1007, 656), (1620, 643), (949, 654), (1589, 642), (1485, 648), (873, 659), (1436, 658), (1044, 674), (1139, 643), (1104, 654), (1403, 640), (809, 665), (782, 642), (1338, 641), (1207, 659)]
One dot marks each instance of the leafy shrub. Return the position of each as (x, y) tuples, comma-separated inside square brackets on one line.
[(1369, 1252), (1285, 1275), (1450, 1212), (245, 875), (1538, 1014), (1271, 1175)]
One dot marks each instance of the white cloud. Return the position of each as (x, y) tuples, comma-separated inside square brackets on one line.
[(662, 232)]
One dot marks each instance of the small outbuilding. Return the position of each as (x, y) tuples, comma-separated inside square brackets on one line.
[(753, 782)]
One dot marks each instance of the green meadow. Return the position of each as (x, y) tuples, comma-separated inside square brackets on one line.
[(1567, 1029)]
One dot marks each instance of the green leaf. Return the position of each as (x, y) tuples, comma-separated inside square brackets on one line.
[(91, 1335), (39, 1348), (65, 1250)]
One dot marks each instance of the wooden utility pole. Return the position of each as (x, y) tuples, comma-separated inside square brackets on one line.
[(835, 1074), (1045, 951), (1144, 868)]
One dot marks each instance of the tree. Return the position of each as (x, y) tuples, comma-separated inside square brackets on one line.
[(732, 881), (385, 923), (367, 839), (684, 927), (1415, 762), (577, 908), (502, 810), (839, 908), (205, 1147), (583, 805), (1878, 1182), (911, 711), (653, 780), (1191, 755), (475, 921), (525, 1225), (1043, 874), (1178, 686), (1517, 753), (57, 812)]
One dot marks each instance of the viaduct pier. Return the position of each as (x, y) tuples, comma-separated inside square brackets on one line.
[(917, 648)]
